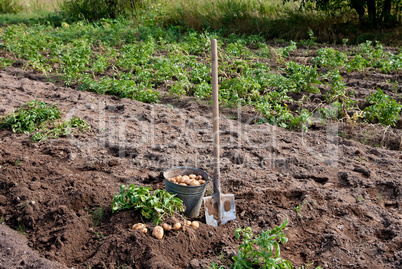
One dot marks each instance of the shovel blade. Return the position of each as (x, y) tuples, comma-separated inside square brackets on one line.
[(227, 211)]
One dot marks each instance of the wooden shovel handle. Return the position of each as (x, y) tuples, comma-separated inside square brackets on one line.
[(215, 105)]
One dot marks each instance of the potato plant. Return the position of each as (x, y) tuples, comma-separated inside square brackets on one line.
[(155, 206), (262, 251), (382, 108), (40, 117), (133, 60), (30, 117)]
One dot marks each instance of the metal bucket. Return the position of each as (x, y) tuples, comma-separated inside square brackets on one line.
[(191, 196)]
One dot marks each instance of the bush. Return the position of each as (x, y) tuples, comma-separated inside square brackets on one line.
[(98, 9), (10, 6)]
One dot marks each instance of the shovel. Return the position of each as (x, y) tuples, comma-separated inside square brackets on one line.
[(219, 208)]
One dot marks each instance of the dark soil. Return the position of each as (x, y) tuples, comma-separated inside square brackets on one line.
[(349, 193)]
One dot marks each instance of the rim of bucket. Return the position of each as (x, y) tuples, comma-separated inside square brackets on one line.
[(186, 167)]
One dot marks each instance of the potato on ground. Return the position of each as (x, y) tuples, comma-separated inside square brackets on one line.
[(158, 232), (138, 226), (195, 224), (177, 226), (166, 227)]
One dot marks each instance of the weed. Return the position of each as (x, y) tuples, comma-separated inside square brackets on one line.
[(215, 266), (360, 198), (2, 220), (155, 206), (298, 207), (286, 50), (100, 236), (97, 215), (380, 196), (17, 163), (311, 41), (21, 229), (95, 9)]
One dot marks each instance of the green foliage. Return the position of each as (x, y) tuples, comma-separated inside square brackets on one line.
[(98, 9), (155, 206), (97, 215), (311, 41), (10, 6), (383, 109), (286, 50), (364, 57), (215, 266), (262, 251), (119, 57), (4, 62), (305, 77), (62, 129), (30, 117), (338, 96), (36, 115), (329, 57), (369, 56), (237, 48), (371, 12)]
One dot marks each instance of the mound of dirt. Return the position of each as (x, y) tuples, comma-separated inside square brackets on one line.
[(15, 253), (58, 192)]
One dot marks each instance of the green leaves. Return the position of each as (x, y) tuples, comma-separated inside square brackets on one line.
[(64, 128), (155, 206), (121, 58), (329, 57), (262, 251), (36, 115), (383, 109), (30, 117), (305, 77)]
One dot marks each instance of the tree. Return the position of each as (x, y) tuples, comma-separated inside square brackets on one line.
[(371, 12)]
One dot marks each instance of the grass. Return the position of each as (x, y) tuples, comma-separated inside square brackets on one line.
[(270, 19), (21, 229), (32, 11), (97, 215)]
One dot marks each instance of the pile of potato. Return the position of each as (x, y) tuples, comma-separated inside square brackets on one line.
[(158, 231), (190, 180)]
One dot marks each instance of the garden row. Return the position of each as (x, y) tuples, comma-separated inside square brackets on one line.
[(118, 57)]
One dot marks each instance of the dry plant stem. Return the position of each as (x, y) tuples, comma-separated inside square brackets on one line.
[(383, 137)]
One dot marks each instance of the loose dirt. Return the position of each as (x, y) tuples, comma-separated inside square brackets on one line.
[(348, 194)]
